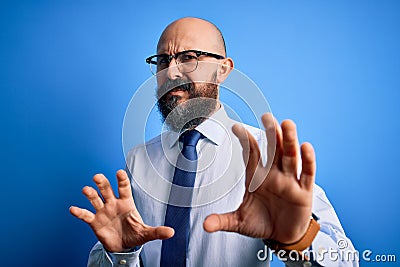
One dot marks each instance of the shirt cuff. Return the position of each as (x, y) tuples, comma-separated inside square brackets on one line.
[(327, 249), (322, 244), (333, 249), (125, 259)]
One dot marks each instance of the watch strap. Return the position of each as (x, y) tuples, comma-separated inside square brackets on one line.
[(302, 243)]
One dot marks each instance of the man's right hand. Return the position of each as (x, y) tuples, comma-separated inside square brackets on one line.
[(117, 223)]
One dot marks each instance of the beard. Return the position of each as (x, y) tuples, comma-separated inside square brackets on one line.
[(180, 115)]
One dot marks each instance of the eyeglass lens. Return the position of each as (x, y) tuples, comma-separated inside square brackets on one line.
[(186, 62)]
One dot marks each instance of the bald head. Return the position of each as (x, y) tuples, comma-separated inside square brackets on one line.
[(191, 33)]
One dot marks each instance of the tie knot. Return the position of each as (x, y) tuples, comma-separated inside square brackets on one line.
[(190, 138)]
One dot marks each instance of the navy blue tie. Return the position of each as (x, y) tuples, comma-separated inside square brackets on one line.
[(174, 250)]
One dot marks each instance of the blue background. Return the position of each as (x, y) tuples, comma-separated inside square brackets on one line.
[(68, 70)]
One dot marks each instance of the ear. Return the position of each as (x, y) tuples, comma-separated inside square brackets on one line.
[(224, 68)]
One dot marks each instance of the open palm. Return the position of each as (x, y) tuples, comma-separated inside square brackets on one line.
[(117, 223), (280, 207)]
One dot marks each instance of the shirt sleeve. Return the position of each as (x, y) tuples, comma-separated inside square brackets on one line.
[(331, 247), (99, 257)]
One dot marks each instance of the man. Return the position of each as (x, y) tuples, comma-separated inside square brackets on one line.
[(216, 203)]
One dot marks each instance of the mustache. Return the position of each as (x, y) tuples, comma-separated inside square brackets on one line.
[(174, 85)]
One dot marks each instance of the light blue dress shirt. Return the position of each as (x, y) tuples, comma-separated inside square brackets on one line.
[(219, 188)]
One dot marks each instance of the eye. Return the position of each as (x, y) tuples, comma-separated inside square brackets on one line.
[(187, 57), (162, 60)]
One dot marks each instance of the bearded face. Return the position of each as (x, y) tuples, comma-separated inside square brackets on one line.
[(183, 113)]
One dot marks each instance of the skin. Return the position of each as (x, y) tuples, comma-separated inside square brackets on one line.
[(279, 209), (180, 36)]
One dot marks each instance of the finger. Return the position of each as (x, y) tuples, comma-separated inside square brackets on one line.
[(124, 185), (221, 222), (278, 141), (161, 232), (104, 186), (93, 197), (82, 214), (307, 175), (241, 134), (271, 130), (251, 153), (290, 147)]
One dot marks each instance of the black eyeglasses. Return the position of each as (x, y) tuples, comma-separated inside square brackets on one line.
[(186, 61)]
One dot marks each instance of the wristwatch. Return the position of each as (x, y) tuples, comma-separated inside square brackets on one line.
[(302, 243)]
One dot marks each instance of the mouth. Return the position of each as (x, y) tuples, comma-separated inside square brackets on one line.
[(177, 92), (177, 89)]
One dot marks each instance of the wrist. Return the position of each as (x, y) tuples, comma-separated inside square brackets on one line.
[(128, 250), (300, 245)]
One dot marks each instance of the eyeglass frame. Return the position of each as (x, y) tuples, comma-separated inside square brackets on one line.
[(170, 57)]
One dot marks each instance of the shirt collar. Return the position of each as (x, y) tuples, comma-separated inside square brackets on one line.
[(214, 128)]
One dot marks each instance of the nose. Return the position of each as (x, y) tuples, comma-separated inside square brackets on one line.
[(173, 70)]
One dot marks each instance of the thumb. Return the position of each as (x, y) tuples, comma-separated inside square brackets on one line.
[(160, 232), (221, 222)]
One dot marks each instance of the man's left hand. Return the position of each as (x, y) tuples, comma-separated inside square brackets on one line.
[(280, 208)]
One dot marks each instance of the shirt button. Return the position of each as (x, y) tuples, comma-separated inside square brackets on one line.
[(307, 264), (321, 251), (122, 262)]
